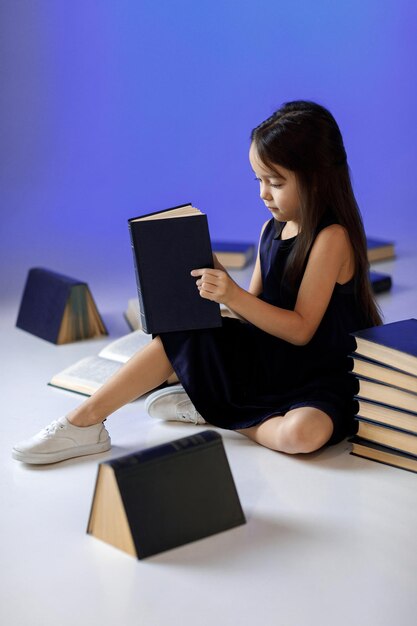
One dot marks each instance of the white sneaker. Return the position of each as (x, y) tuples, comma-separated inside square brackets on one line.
[(62, 440), (172, 403)]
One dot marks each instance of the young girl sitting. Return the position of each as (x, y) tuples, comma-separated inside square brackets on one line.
[(278, 372)]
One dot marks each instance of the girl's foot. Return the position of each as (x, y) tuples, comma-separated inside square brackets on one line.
[(173, 403), (62, 440)]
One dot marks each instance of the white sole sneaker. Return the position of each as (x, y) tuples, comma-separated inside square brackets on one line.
[(173, 404), (60, 441)]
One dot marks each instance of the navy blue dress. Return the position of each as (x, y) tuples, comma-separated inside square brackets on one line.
[(237, 375)]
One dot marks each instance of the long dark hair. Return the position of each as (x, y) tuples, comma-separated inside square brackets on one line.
[(304, 137)]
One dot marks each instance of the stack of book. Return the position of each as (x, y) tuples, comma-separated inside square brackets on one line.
[(385, 364)]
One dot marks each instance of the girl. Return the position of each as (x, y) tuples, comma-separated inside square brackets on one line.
[(279, 373)]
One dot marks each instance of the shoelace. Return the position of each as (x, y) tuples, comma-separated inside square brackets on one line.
[(190, 414), (52, 428)]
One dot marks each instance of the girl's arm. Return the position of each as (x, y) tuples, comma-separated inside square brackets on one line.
[(255, 287), (331, 253)]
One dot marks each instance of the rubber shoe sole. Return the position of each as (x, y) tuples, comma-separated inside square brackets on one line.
[(61, 455)]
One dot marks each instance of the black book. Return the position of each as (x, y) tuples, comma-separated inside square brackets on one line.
[(166, 246), (386, 394), (365, 368), (388, 436), (165, 496), (382, 454), (388, 415), (393, 344), (58, 308)]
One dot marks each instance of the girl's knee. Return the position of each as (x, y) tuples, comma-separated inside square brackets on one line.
[(306, 430)]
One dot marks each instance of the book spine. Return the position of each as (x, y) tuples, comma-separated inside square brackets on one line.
[(185, 444), (138, 284)]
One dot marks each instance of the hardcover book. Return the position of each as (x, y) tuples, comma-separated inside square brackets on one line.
[(133, 317), (384, 394), (165, 496), (166, 247), (234, 254), (382, 373), (386, 436), (58, 308), (388, 415), (382, 454), (393, 344), (379, 249)]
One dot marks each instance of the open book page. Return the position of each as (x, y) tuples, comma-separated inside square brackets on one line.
[(185, 210), (87, 375), (125, 347)]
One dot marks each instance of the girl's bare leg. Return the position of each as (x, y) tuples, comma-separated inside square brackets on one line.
[(301, 430), (146, 370)]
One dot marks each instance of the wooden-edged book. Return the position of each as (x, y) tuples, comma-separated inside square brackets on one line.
[(390, 416), (387, 436), (382, 454), (166, 496), (58, 308), (379, 249), (377, 392), (393, 344), (381, 373), (166, 246), (234, 255)]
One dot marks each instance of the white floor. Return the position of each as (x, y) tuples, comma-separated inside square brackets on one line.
[(330, 538)]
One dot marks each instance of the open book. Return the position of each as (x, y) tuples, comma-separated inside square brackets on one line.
[(166, 246), (89, 374)]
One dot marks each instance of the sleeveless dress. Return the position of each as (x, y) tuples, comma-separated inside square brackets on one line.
[(237, 375)]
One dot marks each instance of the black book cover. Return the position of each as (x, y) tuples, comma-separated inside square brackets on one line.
[(43, 302), (177, 492), (164, 253)]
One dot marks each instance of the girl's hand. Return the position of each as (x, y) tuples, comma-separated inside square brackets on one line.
[(216, 285)]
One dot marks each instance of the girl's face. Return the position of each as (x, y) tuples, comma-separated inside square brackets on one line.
[(278, 189)]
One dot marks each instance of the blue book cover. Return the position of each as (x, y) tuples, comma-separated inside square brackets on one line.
[(58, 308), (393, 344), (379, 249), (43, 303)]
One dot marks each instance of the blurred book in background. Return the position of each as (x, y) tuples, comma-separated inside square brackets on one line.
[(58, 308), (379, 249), (234, 255)]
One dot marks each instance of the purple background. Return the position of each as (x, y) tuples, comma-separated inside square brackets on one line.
[(112, 109)]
